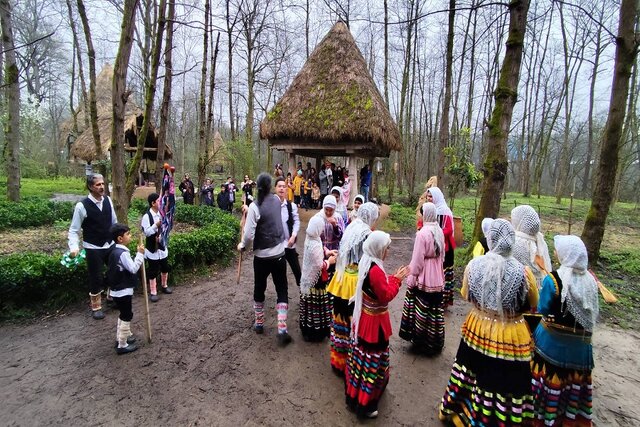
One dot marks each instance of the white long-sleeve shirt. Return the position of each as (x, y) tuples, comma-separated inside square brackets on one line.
[(79, 215), (131, 265), (296, 222), (150, 230)]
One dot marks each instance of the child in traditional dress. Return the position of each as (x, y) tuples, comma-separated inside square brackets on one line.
[(315, 302), (122, 278)]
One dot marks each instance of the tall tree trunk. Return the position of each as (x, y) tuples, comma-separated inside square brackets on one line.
[(386, 53), (119, 100), (444, 122), (203, 153), (626, 52), (212, 88), (166, 95), (506, 95), (12, 88), (77, 52), (230, 27)]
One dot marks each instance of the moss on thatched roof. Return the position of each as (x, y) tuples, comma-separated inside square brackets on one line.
[(333, 103), (84, 148)]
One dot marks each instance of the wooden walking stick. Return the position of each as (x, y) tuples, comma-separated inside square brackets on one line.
[(147, 318), (242, 222)]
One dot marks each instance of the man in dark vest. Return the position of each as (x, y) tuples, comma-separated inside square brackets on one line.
[(264, 227), (291, 227), (94, 215)]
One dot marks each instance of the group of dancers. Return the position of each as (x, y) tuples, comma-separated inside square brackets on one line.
[(508, 370)]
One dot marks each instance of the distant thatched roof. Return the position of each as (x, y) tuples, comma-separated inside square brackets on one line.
[(84, 148), (333, 105)]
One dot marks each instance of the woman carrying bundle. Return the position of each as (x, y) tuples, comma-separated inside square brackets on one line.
[(490, 383), (315, 303), (423, 313), (445, 219), (343, 283), (563, 357), (367, 371)]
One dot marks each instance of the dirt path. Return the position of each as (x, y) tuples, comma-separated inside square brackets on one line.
[(206, 367)]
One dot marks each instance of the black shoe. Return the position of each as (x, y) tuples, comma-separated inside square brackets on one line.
[(166, 290), (128, 349), (259, 329), (97, 314), (132, 339), (154, 298), (284, 339), (110, 303)]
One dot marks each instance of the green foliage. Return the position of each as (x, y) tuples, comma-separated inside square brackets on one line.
[(463, 173), (45, 188), (240, 156), (400, 218), (33, 212)]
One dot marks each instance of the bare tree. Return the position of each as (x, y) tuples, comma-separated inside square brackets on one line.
[(626, 53), (12, 87), (446, 103), (203, 147)]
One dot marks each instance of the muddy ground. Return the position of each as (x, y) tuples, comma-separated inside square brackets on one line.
[(206, 367)]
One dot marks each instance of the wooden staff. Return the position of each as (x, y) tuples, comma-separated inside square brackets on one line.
[(147, 318), (242, 222), (607, 295)]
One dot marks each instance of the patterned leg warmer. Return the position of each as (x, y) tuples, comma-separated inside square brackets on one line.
[(282, 308), (96, 301), (118, 330), (124, 331), (164, 277), (153, 290), (258, 308)]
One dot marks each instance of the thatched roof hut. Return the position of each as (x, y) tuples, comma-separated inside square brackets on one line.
[(83, 148), (333, 107)]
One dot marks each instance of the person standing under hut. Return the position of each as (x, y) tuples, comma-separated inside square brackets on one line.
[(367, 370), (563, 357), (343, 284), (490, 383), (445, 219), (94, 215), (290, 227), (264, 227), (156, 254), (530, 248), (315, 302), (423, 313)]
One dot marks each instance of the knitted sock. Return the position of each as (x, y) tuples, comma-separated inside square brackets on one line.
[(282, 308), (96, 301), (124, 333), (153, 287), (164, 277), (258, 308)]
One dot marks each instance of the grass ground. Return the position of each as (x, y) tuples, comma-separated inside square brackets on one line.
[(619, 265)]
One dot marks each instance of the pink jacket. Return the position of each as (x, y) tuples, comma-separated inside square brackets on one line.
[(425, 270)]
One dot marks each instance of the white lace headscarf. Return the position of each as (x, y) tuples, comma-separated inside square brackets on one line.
[(579, 288), (340, 208), (313, 257), (430, 222), (353, 237), (496, 280), (441, 205), (373, 248), (529, 240)]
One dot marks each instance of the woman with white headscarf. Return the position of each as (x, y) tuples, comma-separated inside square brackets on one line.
[(357, 202), (563, 357), (341, 208), (343, 284), (423, 313), (367, 372), (530, 247), (445, 219), (315, 303), (490, 381), (333, 224)]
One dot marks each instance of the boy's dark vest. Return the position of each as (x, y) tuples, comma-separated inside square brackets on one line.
[(269, 232), (118, 277), (95, 227), (151, 242)]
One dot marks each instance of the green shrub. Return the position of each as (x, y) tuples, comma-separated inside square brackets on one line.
[(33, 212)]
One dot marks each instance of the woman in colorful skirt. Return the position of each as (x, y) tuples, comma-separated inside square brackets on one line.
[(343, 283), (490, 383), (367, 372), (445, 219), (315, 303), (563, 357), (423, 313), (530, 247)]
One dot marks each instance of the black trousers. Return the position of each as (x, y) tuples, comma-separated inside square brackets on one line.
[(277, 268), (292, 258), (96, 260), (156, 266), (123, 304)]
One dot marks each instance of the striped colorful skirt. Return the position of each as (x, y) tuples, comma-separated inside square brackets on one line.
[(423, 321), (562, 397), (342, 291), (449, 282), (366, 375), (315, 313)]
